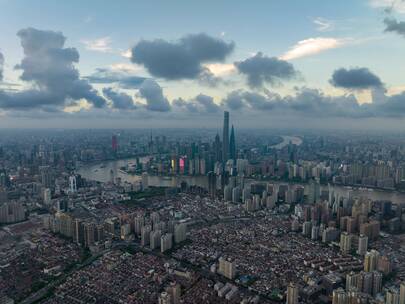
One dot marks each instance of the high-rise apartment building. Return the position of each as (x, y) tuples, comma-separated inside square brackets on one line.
[(166, 242), (292, 294)]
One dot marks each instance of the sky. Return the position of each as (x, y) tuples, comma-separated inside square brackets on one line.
[(129, 64)]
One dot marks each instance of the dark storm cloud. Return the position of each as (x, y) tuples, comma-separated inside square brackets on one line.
[(181, 59), (355, 79), (120, 100), (261, 69), (153, 94), (1, 66), (124, 80), (392, 25), (49, 67)]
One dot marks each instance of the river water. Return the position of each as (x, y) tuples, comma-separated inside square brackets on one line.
[(102, 173), (288, 139)]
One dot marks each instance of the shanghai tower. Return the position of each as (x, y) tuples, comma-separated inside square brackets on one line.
[(225, 138)]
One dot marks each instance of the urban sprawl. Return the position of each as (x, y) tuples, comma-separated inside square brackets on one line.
[(195, 216)]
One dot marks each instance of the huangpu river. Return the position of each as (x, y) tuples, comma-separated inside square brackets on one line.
[(102, 172)]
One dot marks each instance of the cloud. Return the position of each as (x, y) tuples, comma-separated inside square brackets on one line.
[(355, 79), (315, 104), (220, 69), (378, 95), (234, 100), (207, 78), (124, 79), (199, 104), (307, 101), (313, 46), (392, 25), (212, 74), (153, 94), (49, 68), (181, 59), (132, 82), (127, 54), (25, 100), (322, 24), (183, 105), (125, 67), (104, 76), (102, 45), (389, 5), (119, 100), (393, 107), (261, 69), (208, 103), (1, 66)]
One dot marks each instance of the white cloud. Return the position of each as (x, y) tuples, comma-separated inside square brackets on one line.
[(392, 5), (220, 69), (322, 24), (98, 45), (77, 107), (312, 46), (127, 53), (126, 67)]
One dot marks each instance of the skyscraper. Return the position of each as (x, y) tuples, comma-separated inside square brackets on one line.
[(232, 146), (72, 184), (217, 148), (46, 176), (114, 143), (225, 138), (212, 184)]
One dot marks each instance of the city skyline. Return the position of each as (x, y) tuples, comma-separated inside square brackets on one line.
[(304, 65), (202, 152), (173, 216)]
